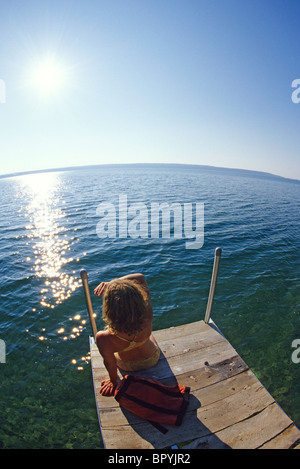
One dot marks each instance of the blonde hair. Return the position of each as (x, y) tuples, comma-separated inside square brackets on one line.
[(124, 306)]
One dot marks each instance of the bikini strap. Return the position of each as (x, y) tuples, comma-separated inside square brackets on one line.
[(122, 338)]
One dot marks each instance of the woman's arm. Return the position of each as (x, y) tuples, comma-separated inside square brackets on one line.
[(105, 348), (139, 278), (100, 288)]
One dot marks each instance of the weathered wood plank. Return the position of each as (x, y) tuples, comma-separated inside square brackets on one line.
[(180, 331), (285, 439), (253, 432), (180, 345), (224, 388)]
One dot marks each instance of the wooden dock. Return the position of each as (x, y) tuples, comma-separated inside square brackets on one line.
[(229, 407)]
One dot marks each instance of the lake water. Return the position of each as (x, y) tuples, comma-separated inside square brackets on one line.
[(49, 224)]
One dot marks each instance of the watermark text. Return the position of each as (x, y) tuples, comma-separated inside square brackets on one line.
[(2, 91), (296, 93), (296, 352), (2, 351), (157, 220)]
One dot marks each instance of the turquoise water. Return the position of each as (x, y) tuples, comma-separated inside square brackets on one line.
[(48, 233)]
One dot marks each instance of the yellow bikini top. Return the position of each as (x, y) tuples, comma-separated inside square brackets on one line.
[(132, 343)]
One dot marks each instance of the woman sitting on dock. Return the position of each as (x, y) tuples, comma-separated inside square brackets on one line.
[(127, 341)]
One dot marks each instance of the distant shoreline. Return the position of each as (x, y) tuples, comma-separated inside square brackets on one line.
[(183, 166)]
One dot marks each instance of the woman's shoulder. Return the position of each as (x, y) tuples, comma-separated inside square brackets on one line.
[(107, 339), (103, 335)]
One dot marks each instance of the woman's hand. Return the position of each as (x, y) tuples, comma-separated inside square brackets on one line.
[(107, 388), (100, 288)]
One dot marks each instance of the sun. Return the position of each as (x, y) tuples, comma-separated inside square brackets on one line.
[(48, 76)]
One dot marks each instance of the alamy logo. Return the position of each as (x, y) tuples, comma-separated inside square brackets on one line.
[(2, 91), (296, 93), (296, 353), (2, 351), (158, 220)]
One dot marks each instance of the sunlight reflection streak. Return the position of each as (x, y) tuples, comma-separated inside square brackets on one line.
[(50, 239)]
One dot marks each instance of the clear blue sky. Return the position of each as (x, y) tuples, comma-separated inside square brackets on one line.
[(183, 81)]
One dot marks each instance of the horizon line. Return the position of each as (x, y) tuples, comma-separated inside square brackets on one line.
[(77, 167)]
